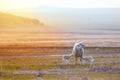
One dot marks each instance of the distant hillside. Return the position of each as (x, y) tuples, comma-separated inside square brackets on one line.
[(6, 19)]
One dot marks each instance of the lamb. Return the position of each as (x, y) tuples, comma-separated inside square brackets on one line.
[(88, 59), (66, 58)]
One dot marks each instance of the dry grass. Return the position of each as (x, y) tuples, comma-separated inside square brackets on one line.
[(27, 67), (23, 63)]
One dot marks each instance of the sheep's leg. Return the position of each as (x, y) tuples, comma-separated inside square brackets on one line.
[(63, 61), (76, 60), (91, 64), (81, 61), (67, 61)]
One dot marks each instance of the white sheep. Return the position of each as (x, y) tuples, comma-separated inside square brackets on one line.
[(88, 59), (66, 58), (78, 51)]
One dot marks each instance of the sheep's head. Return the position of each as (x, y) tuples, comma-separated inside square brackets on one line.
[(80, 44)]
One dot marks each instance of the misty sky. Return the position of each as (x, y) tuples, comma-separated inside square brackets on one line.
[(76, 18), (88, 17), (68, 14)]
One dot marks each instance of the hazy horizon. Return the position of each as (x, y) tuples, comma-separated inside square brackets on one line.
[(68, 15), (74, 18)]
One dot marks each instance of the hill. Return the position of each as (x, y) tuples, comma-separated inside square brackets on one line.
[(10, 19)]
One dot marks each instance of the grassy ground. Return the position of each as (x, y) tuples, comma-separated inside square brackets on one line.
[(41, 66), (78, 76)]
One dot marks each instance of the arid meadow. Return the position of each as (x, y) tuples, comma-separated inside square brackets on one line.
[(31, 54)]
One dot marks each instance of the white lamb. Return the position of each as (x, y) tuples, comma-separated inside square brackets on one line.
[(66, 58), (88, 59)]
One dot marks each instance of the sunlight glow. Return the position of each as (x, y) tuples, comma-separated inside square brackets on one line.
[(16, 4)]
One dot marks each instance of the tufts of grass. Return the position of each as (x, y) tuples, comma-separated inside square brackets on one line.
[(17, 77), (75, 76)]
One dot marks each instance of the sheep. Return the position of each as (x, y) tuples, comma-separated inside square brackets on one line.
[(89, 59), (78, 51), (66, 58)]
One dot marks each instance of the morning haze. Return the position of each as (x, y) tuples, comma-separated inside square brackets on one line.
[(43, 39), (75, 19)]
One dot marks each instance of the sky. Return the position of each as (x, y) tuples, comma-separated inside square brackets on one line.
[(17, 4), (75, 14)]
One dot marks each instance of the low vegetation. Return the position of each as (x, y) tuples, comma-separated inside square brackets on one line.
[(48, 67)]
